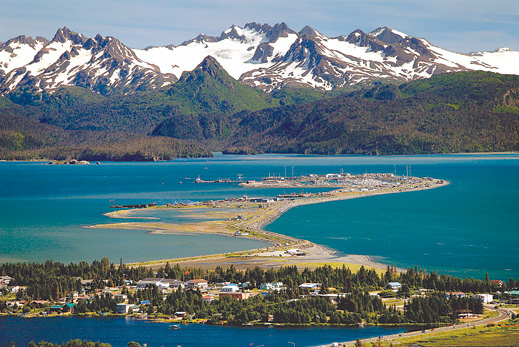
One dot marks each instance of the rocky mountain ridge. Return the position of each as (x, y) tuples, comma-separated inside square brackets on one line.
[(259, 55)]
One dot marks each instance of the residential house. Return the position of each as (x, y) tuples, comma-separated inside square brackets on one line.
[(197, 283), (148, 282), (5, 280), (455, 294), (207, 298)]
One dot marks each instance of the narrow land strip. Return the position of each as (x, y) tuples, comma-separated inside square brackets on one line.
[(254, 215)]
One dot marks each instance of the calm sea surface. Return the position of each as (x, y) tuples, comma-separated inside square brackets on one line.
[(467, 228), (119, 331)]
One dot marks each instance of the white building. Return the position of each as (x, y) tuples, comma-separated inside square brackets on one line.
[(294, 251), (486, 298), (197, 283), (231, 288), (123, 308), (148, 282), (271, 286), (394, 286), (310, 286)]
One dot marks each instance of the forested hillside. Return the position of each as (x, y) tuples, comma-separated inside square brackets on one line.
[(459, 112), (25, 139), (210, 111), (207, 89)]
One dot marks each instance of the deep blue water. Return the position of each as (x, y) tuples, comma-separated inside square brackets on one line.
[(119, 331), (468, 228)]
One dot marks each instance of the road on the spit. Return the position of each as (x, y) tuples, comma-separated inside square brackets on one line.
[(503, 314)]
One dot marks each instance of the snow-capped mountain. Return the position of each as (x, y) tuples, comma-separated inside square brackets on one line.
[(238, 50), (382, 55), (101, 64), (264, 56)]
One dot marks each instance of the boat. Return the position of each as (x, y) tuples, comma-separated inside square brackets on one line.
[(174, 326)]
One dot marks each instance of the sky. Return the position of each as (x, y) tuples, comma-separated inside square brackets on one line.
[(457, 25)]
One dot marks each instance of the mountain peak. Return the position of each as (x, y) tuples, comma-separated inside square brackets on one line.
[(209, 63), (64, 34), (309, 31), (26, 40), (388, 35), (258, 27)]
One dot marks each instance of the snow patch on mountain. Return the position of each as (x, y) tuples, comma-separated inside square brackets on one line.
[(259, 55)]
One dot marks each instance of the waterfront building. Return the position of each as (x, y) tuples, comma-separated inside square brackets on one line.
[(123, 308)]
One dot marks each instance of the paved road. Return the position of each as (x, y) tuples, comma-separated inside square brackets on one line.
[(503, 314)]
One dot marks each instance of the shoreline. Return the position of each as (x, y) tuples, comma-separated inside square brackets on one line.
[(252, 227)]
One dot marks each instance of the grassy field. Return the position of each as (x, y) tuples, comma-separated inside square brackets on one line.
[(500, 335)]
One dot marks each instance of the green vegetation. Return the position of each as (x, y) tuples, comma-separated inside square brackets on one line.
[(70, 343), (25, 139), (449, 113), (294, 305), (459, 112), (506, 334)]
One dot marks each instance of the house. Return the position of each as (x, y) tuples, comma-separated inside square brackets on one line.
[(86, 283), (124, 308), (237, 295), (5, 280), (56, 308), (486, 298), (395, 286), (180, 314), (197, 283), (498, 283), (464, 313), (39, 303), (120, 297), (244, 285), (313, 286), (173, 283), (231, 288), (67, 307), (239, 233), (207, 298), (148, 282), (455, 294), (514, 297), (14, 289), (271, 286)]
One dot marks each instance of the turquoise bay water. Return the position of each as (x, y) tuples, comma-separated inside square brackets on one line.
[(468, 228)]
